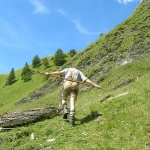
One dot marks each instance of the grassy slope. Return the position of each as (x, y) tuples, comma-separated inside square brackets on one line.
[(122, 123), (129, 39), (12, 94)]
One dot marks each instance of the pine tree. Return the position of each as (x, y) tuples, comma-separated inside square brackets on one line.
[(26, 73), (45, 62), (11, 77), (36, 62), (59, 58), (72, 52)]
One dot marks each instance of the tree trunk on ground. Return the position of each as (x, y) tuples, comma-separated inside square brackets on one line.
[(19, 118)]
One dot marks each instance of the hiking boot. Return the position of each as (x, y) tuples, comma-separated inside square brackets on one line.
[(65, 112), (72, 120), (72, 117), (65, 115)]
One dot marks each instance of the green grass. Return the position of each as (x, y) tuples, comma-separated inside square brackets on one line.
[(118, 123), (15, 92)]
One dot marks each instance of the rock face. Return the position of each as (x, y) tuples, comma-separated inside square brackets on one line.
[(40, 92), (19, 118)]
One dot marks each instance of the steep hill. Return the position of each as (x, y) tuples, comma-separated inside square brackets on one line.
[(120, 62), (127, 42)]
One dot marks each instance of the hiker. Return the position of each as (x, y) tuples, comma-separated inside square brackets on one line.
[(70, 88)]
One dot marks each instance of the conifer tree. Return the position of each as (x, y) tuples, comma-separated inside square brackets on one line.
[(45, 62), (11, 77), (36, 62), (72, 52), (26, 73), (59, 58)]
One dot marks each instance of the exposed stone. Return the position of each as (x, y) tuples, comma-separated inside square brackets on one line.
[(40, 92)]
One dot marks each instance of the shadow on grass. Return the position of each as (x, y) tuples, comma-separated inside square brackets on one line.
[(93, 116)]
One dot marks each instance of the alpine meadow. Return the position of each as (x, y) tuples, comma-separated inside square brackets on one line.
[(114, 118)]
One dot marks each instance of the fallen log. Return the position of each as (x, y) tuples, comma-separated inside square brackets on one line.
[(20, 118)]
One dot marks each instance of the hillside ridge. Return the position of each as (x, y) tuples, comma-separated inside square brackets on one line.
[(126, 43), (111, 119)]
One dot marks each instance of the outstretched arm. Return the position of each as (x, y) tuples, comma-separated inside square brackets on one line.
[(92, 83), (52, 73)]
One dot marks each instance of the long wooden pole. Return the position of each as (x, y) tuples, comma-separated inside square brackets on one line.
[(67, 79)]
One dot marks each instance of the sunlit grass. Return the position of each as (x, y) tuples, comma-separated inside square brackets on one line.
[(121, 122)]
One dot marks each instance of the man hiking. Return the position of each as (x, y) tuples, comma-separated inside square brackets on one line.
[(72, 78)]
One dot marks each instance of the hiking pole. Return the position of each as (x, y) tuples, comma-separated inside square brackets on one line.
[(69, 79)]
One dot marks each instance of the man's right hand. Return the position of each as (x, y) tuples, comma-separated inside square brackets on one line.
[(97, 86)]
